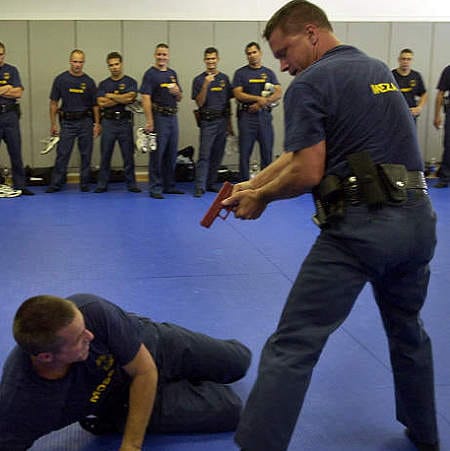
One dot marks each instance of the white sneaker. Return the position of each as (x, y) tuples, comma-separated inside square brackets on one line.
[(49, 144), (7, 191), (145, 141)]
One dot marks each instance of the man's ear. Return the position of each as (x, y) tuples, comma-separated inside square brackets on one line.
[(311, 31)]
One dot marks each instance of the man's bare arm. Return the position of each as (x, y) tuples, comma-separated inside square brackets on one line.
[(144, 374), (300, 171)]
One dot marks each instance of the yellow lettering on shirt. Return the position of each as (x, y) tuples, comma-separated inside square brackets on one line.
[(382, 88), (257, 80), (76, 90), (217, 88), (95, 396)]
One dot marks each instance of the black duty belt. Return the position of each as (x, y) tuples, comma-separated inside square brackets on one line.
[(7, 107), (246, 107), (395, 184), (116, 115), (210, 115), (416, 186), (74, 115), (164, 110)]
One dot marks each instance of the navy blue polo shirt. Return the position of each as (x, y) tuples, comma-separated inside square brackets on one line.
[(156, 83), (351, 102), (253, 80), (31, 406), (219, 91), (77, 93), (9, 75), (124, 85)]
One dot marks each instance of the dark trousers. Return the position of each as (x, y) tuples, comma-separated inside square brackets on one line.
[(10, 133), (163, 160), (194, 370), (212, 146), (444, 170), (82, 130), (121, 131), (391, 249), (254, 127)]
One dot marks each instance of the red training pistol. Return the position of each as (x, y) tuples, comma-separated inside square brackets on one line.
[(216, 207)]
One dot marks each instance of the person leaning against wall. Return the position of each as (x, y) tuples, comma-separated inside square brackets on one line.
[(160, 93), (73, 99), (114, 94), (212, 92), (250, 85), (410, 83), (11, 90)]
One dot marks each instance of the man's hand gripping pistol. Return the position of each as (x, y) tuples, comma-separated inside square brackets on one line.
[(216, 207)]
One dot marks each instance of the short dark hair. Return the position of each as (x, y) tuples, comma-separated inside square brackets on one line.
[(161, 44), (210, 50), (406, 51), (252, 44), (114, 55), (38, 320), (293, 16)]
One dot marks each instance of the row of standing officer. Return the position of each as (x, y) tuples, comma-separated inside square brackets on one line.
[(77, 109)]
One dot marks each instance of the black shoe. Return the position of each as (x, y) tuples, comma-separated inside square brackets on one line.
[(26, 192), (422, 446), (212, 189), (441, 184), (156, 195), (173, 191), (134, 189), (199, 192), (84, 188), (98, 190), (52, 189)]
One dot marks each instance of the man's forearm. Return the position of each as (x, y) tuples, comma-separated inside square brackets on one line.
[(12, 93), (300, 172), (269, 173), (438, 104), (142, 397)]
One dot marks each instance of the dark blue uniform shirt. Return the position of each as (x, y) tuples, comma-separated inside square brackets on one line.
[(411, 86), (31, 406), (219, 91), (124, 85), (76, 93), (156, 83), (253, 80), (351, 102), (9, 75)]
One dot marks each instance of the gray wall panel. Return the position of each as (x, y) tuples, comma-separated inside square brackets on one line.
[(45, 66), (372, 38), (29, 44)]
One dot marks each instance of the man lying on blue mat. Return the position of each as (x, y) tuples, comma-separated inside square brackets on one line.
[(84, 359)]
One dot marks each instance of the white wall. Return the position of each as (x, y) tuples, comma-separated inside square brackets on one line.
[(236, 10)]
